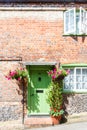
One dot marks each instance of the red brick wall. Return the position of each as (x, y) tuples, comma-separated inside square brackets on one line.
[(35, 38)]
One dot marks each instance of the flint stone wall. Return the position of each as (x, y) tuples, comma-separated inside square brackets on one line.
[(10, 111), (75, 103)]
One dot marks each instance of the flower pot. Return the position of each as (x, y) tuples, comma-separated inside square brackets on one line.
[(56, 119)]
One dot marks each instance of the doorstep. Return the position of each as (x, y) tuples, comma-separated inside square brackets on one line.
[(37, 121)]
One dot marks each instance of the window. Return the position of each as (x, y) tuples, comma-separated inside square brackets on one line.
[(77, 80), (75, 21)]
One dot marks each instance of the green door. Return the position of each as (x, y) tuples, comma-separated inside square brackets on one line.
[(39, 82)]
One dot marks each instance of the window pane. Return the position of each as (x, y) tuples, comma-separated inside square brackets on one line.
[(84, 71), (78, 85), (78, 78), (71, 78), (83, 21), (66, 79), (67, 21), (77, 24), (66, 85), (84, 85), (69, 81), (78, 71), (71, 19), (84, 78), (71, 71), (71, 86)]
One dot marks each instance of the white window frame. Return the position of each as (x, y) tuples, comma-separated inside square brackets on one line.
[(75, 81), (71, 30), (82, 22)]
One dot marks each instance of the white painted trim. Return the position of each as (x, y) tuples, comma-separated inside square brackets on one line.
[(32, 9)]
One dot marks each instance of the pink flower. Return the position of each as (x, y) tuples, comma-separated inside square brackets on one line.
[(21, 68), (12, 73), (53, 77), (59, 72), (54, 70), (50, 72), (68, 71), (8, 77), (19, 79)]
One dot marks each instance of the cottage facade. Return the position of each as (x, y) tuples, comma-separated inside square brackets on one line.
[(39, 36)]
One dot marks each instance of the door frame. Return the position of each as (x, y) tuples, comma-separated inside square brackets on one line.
[(36, 67)]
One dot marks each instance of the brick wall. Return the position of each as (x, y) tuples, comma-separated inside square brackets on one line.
[(34, 35), (10, 100), (39, 34)]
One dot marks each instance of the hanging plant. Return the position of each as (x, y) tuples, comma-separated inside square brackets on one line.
[(17, 74), (59, 73)]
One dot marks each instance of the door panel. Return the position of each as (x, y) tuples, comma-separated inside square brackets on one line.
[(39, 82)]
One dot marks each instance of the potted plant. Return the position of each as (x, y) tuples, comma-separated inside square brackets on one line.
[(55, 90)]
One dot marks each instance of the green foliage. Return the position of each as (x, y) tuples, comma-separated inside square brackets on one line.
[(55, 90), (56, 112), (55, 98), (55, 94)]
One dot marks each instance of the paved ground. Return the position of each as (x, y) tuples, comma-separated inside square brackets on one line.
[(74, 123), (74, 126), (11, 125)]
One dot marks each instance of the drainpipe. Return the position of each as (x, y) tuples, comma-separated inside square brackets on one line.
[(23, 100)]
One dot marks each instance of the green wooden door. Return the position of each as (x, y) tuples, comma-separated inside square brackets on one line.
[(39, 82)]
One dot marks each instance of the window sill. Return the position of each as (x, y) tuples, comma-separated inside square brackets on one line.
[(73, 92), (80, 35)]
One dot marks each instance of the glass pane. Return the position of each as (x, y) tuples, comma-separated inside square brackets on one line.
[(71, 78), (84, 71), (69, 81), (78, 86), (71, 19), (67, 21), (77, 23), (71, 86), (84, 85), (78, 71), (66, 85), (83, 20), (78, 78), (84, 78), (66, 79), (72, 71)]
